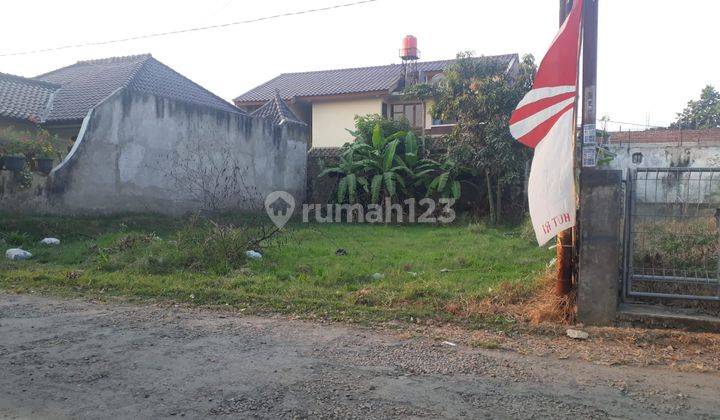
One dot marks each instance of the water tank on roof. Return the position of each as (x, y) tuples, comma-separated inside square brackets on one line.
[(409, 50)]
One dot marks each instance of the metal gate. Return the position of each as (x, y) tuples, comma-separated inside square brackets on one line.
[(671, 234)]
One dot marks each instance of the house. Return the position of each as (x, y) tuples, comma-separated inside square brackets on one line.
[(329, 100), (24, 102), (147, 139), (663, 148), (59, 100)]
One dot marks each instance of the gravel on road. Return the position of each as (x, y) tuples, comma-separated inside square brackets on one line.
[(79, 359)]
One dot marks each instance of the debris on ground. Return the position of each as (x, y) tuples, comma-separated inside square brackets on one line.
[(449, 343), (17, 254), (253, 255), (378, 276), (50, 241), (341, 252), (577, 334)]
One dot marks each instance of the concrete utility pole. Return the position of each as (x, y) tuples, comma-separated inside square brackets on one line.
[(590, 45), (564, 245)]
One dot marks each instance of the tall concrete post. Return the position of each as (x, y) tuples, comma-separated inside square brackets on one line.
[(600, 247)]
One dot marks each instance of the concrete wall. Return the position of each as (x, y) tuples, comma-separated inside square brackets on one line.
[(663, 155), (662, 187), (331, 119), (142, 153)]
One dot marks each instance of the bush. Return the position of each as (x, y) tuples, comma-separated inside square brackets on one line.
[(17, 238), (208, 246), (391, 166), (39, 144), (197, 245)]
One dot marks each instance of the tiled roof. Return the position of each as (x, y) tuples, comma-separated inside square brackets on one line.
[(344, 81), (24, 99), (687, 137), (86, 83), (277, 111)]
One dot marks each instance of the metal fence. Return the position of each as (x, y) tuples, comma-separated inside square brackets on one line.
[(671, 234)]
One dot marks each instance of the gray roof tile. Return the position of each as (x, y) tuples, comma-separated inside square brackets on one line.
[(277, 111), (87, 83), (343, 81), (24, 99)]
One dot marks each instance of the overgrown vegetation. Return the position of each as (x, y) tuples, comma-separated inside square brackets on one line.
[(383, 272), (390, 164), (677, 246), (480, 95), (38, 144)]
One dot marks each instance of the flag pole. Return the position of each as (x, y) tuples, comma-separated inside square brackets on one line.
[(564, 244)]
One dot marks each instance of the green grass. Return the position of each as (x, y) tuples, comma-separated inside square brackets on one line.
[(426, 271)]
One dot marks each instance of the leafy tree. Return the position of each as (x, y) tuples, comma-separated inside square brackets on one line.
[(481, 95), (703, 113)]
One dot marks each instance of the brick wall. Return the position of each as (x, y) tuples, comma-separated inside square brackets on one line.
[(666, 136)]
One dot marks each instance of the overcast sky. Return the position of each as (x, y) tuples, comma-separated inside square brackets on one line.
[(655, 55)]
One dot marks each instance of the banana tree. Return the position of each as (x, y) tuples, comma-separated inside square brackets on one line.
[(350, 174), (444, 182), (387, 180)]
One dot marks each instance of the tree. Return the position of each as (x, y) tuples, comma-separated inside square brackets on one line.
[(703, 113), (480, 96), (390, 167)]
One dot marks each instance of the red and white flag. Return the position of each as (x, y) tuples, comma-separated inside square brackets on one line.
[(545, 120)]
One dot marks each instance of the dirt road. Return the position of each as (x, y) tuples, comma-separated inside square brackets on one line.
[(75, 359)]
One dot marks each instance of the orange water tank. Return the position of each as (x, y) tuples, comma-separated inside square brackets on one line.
[(409, 50)]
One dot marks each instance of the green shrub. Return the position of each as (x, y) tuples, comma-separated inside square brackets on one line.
[(17, 238), (364, 126), (207, 246)]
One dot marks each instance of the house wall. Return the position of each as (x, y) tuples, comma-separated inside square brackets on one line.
[(661, 155), (142, 153), (668, 189), (331, 119), (428, 117), (17, 124)]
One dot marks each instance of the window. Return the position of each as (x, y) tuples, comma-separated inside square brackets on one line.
[(413, 113), (637, 158), (439, 122)]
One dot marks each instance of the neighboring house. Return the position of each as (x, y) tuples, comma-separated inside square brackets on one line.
[(147, 139), (277, 111), (60, 100), (329, 100), (24, 102), (665, 148)]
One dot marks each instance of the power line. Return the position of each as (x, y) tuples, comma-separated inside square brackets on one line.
[(195, 29), (633, 124)]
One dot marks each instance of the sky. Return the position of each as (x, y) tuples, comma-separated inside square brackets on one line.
[(654, 55)]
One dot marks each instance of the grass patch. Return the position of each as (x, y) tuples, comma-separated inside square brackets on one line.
[(425, 272)]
